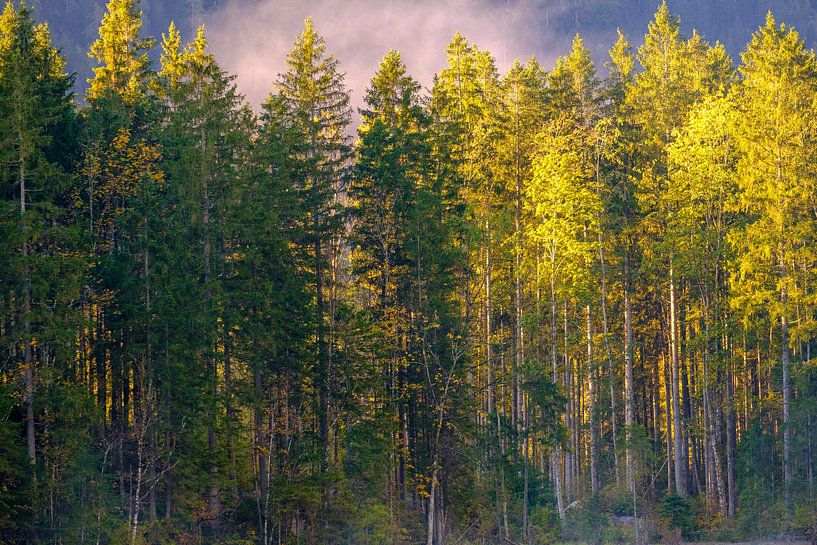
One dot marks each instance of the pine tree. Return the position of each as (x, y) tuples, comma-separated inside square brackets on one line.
[(677, 73), (702, 163), (521, 116)]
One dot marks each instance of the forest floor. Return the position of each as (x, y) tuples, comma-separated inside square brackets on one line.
[(764, 542)]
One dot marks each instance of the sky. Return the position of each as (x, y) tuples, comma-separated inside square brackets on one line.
[(251, 39)]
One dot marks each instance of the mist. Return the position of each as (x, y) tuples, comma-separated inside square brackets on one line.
[(252, 39)]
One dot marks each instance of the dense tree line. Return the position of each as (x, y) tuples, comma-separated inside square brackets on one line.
[(511, 308)]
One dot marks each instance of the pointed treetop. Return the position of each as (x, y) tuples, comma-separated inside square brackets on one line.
[(121, 53), (621, 57), (776, 49), (662, 31), (18, 29), (171, 56), (576, 70), (391, 93)]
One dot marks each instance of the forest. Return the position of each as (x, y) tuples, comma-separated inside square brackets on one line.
[(559, 304)]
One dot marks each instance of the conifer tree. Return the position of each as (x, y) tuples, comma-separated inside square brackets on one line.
[(41, 273), (677, 73), (776, 188), (313, 91), (207, 148)]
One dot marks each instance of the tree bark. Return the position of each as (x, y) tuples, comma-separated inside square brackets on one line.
[(594, 454), (629, 386), (28, 356), (785, 357), (678, 432)]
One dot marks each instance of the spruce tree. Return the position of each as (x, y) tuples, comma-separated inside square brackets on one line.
[(314, 93)]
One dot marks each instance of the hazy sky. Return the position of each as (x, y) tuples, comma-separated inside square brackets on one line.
[(251, 38)]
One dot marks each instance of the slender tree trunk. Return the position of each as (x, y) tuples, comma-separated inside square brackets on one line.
[(678, 432), (609, 353), (148, 368), (594, 454), (555, 455), (629, 385), (731, 440), (526, 482), (668, 415), (28, 356), (488, 311), (785, 356), (571, 414)]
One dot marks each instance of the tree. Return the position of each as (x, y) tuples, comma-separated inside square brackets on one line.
[(313, 92), (702, 163), (207, 149), (677, 73), (565, 203), (392, 158), (40, 282), (776, 188)]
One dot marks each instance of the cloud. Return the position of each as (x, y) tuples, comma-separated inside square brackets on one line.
[(252, 38)]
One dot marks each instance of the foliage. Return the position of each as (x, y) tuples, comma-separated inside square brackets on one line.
[(517, 308)]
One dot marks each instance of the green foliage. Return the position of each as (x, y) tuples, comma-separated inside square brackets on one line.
[(219, 325), (679, 514)]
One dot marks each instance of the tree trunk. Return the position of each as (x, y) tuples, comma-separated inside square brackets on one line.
[(785, 357), (629, 385), (731, 440), (678, 432), (28, 356), (555, 456), (594, 454), (609, 352)]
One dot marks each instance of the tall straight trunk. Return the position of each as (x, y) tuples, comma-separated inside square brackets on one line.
[(629, 386), (785, 357), (594, 454), (556, 454), (686, 406), (707, 446), (526, 480), (28, 356), (488, 310), (668, 415), (609, 353), (717, 425), (679, 445), (810, 453), (571, 413), (213, 500), (731, 440), (148, 397)]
